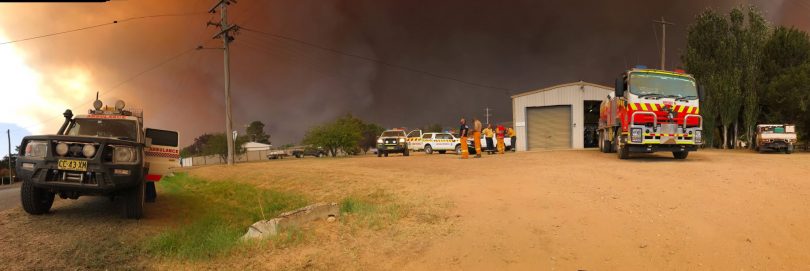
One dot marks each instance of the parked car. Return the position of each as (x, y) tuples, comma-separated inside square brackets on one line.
[(309, 151)]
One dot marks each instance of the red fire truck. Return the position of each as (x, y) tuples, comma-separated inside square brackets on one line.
[(649, 111)]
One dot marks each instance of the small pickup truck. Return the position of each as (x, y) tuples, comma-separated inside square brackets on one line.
[(276, 155), (776, 137)]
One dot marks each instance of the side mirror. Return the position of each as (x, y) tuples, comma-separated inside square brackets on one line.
[(700, 92), (619, 87), (148, 142)]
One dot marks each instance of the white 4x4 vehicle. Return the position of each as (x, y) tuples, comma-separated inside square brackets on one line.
[(441, 142)]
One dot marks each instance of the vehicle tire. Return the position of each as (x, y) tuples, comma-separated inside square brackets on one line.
[(442, 152), (623, 152), (428, 149), (35, 201), (379, 154), (680, 155), (133, 201), (385, 154), (601, 143), (406, 152), (458, 149)]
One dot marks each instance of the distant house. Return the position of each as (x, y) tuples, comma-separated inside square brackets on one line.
[(256, 146)]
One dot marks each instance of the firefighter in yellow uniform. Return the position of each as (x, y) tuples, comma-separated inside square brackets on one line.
[(500, 134), (463, 130), (488, 135), (477, 137), (512, 139)]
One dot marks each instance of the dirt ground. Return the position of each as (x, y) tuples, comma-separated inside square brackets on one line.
[(554, 210)]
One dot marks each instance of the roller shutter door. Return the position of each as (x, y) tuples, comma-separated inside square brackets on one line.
[(549, 127)]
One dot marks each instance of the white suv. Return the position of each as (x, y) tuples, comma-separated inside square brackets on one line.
[(441, 142)]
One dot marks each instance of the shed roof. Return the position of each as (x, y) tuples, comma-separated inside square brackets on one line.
[(580, 83)]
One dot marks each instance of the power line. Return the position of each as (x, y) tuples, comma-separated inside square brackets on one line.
[(373, 60), (104, 24)]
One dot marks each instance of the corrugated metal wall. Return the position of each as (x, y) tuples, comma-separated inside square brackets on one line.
[(569, 94)]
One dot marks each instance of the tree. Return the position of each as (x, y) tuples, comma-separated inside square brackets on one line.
[(217, 144), (370, 133), (433, 128), (706, 51), (343, 134), (751, 59), (724, 55), (348, 134), (4, 165), (197, 147), (287, 146), (255, 132), (785, 69)]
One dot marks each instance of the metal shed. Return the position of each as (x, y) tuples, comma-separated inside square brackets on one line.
[(559, 117)]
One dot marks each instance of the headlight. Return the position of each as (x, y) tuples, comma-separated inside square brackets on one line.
[(698, 136), (61, 149), (379, 140), (123, 154), (401, 140), (36, 149), (635, 135), (88, 150)]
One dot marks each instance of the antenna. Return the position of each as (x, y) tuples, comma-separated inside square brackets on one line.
[(488, 115)]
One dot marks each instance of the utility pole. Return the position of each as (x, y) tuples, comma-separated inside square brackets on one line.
[(10, 179), (224, 34), (664, 24), (488, 114)]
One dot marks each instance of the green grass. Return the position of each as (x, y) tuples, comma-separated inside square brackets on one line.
[(215, 215), (375, 211)]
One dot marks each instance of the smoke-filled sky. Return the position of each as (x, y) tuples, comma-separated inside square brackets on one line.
[(516, 45)]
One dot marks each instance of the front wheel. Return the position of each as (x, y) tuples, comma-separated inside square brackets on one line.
[(379, 154), (133, 202), (458, 149), (623, 151), (406, 152), (428, 149), (680, 154), (35, 201)]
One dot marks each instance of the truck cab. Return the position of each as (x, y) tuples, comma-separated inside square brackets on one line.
[(392, 141), (104, 153), (414, 140), (650, 111)]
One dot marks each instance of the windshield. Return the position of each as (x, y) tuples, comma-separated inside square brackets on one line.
[(773, 129), (393, 133), (662, 85), (114, 128)]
